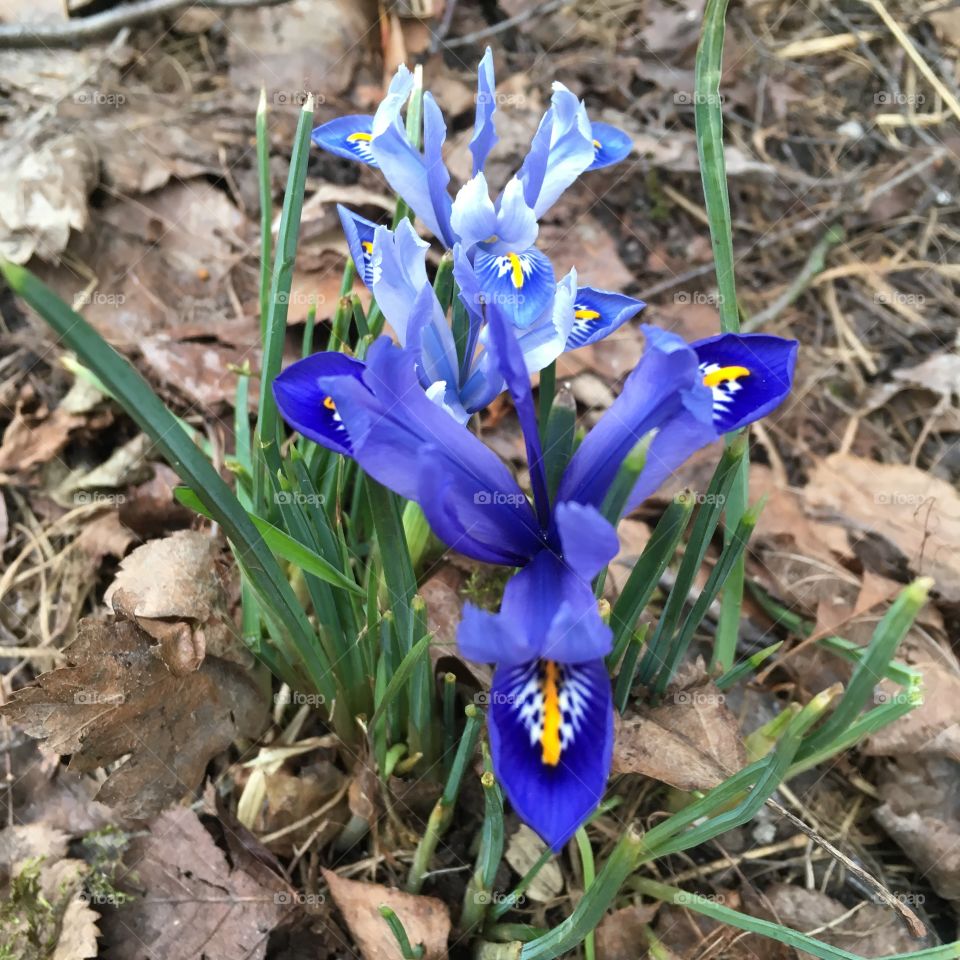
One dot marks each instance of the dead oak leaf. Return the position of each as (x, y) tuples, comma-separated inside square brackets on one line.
[(691, 741), (916, 515), (116, 698), (425, 919), (190, 901)]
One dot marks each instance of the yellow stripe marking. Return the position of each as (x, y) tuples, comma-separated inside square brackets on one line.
[(723, 374), (550, 738), (517, 267), (354, 137), (585, 314), (597, 144), (367, 245), (329, 404)]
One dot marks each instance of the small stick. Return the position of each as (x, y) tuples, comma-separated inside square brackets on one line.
[(22, 36), (913, 922)]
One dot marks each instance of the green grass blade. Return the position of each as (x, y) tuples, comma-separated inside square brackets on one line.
[(148, 412), (400, 677), (874, 664), (280, 283), (713, 173), (266, 209), (767, 928), (282, 544)]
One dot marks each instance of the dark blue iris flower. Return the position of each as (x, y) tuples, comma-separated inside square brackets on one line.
[(492, 239), (551, 715)]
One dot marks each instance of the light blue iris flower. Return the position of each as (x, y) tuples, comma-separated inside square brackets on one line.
[(492, 240)]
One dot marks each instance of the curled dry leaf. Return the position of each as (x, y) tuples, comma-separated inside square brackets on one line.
[(116, 698), (425, 919), (172, 589), (43, 195), (523, 850), (691, 741), (620, 933), (189, 901)]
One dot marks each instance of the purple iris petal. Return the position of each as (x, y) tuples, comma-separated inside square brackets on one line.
[(597, 313), (473, 218), (677, 440), (561, 150), (310, 408), (359, 233), (749, 375), (419, 178), (554, 792), (509, 360), (545, 339), (588, 540), (611, 145), (399, 269), (484, 131), (653, 394), (348, 137), (521, 283)]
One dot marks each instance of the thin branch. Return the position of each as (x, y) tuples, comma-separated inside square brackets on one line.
[(24, 36)]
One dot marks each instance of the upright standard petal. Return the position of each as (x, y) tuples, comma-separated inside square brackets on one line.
[(359, 233), (473, 217), (509, 360), (484, 130), (399, 273), (561, 150), (610, 145), (597, 313), (419, 178), (749, 375), (661, 386), (311, 408), (521, 283), (551, 737), (348, 137)]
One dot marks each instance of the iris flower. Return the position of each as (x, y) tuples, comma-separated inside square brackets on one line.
[(491, 239), (551, 714)]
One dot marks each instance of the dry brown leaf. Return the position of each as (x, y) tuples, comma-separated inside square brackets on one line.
[(37, 437), (25, 841), (873, 931), (425, 919), (933, 728), (43, 193), (591, 248), (914, 516), (190, 901), (619, 934), (116, 698), (311, 46), (524, 849), (175, 579), (692, 741), (921, 812), (690, 936)]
